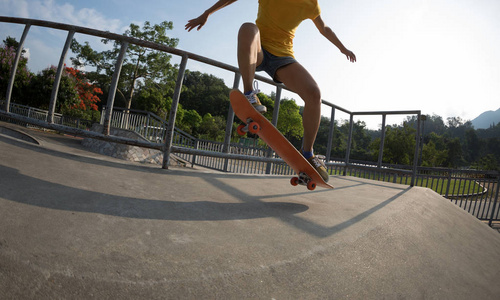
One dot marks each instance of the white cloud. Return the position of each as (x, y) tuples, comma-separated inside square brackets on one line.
[(16, 8), (51, 10)]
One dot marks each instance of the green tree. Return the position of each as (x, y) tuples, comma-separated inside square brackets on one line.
[(290, 120), (205, 93), (488, 162), (155, 97), (268, 102), (399, 146), (472, 145), (360, 148), (40, 90), (140, 63), (457, 127), (432, 157), (212, 127), (455, 155), (321, 142), (191, 121), (23, 75)]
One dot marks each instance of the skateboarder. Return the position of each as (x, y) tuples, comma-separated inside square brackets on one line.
[(267, 46)]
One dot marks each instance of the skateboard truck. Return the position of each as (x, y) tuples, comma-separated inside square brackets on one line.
[(303, 179), (250, 126)]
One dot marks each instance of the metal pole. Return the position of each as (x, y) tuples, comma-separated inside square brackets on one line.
[(277, 103), (276, 113), (495, 203), (382, 142), (330, 136), (229, 122), (14, 68), (415, 158), (349, 143), (113, 87), (424, 118), (173, 112), (57, 80)]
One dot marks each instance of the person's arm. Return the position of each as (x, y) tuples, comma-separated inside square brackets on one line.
[(332, 37), (201, 20)]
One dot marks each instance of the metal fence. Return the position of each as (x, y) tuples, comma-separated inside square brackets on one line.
[(33, 113), (221, 156), (168, 146), (153, 128)]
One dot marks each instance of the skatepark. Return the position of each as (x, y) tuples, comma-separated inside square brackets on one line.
[(75, 224), (79, 225)]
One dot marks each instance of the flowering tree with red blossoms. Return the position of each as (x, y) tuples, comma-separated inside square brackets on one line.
[(88, 98)]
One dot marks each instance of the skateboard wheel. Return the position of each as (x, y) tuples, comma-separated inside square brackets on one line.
[(311, 185), (294, 181), (253, 127), (240, 131)]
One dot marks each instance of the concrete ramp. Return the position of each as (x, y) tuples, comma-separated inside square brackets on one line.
[(77, 225)]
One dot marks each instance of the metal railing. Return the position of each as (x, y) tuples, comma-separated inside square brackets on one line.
[(41, 115), (168, 145), (474, 191), (153, 128), (223, 153)]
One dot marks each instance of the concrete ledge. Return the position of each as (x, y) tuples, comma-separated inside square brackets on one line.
[(18, 134), (123, 151)]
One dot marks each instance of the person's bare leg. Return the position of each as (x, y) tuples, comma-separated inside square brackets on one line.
[(298, 79), (249, 54)]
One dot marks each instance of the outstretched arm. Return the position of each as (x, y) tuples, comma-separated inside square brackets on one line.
[(332, 37), (201, 20)]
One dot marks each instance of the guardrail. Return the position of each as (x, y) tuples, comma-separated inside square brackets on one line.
[(168, 146)]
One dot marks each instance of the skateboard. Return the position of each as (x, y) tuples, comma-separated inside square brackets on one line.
[(256, 123)]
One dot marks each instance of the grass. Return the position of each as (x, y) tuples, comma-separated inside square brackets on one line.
[(439, 185)]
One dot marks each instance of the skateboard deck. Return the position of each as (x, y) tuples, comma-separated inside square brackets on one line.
[(258, 124)]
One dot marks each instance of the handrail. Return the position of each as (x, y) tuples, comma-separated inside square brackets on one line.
[(126, 40)]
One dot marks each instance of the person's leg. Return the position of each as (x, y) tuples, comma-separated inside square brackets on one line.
[(249, 54), (298, 79)]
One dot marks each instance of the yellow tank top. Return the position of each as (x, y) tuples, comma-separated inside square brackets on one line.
[(278, 20)]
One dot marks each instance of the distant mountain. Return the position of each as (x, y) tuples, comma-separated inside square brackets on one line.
[(486, 119)]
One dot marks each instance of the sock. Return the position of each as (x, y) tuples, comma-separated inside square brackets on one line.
[(307, 154), (251, 99)]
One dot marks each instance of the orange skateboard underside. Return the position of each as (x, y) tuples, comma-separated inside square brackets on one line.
[(274, 139)]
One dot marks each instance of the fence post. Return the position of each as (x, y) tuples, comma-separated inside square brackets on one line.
[(495, 203), (173, 111), (349, 143), (57, 80), (382, 142), (113, 87), (448, 185), (14, 68), (330, 136), (417, 144), (229, 123), (274, 121)]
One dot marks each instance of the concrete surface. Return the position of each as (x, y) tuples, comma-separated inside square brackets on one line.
[(78, 225)]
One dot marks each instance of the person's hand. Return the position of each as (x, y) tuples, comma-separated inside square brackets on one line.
[(350, 55), (198, 22)]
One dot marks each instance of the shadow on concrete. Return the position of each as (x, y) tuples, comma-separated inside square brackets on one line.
[(58, 196), (306, 225)]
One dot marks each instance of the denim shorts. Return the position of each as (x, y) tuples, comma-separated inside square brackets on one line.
[(271, 63)]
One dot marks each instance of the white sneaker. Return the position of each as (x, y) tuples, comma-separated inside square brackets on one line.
[(254, 100)]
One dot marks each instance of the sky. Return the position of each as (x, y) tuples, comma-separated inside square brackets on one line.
[(437, 56)]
